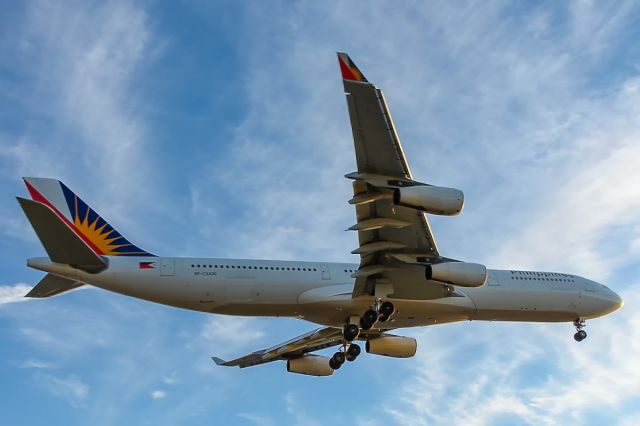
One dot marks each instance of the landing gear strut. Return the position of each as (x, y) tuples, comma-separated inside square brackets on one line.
[(580, 333)]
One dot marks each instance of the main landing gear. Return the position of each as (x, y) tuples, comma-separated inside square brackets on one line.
[(580, 333), (350, 351), (379, 312)]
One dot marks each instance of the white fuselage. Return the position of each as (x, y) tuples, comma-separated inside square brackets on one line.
[(321, 292)]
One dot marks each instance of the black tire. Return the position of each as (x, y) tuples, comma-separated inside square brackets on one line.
[(370, 316), (383, 318), (387, 309), (338, 359), (583, 334), (578, 337), (353, 351), (365, 325), (350, 332), (333, 364)]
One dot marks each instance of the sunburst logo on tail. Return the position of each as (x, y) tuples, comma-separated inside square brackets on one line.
[(105, 238)]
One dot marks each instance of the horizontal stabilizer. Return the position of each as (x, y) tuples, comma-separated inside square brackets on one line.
[(52, 285), (61, 243)]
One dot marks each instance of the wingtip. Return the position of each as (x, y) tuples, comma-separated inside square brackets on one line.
[(218, 361), (349, 69)]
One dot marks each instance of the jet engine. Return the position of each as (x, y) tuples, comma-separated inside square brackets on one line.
[(394, 346), (311, 365), (431, 199), (458, 273)]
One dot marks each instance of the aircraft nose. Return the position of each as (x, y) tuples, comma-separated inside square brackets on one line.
[(599, 302), (607, 301), (615, 300)]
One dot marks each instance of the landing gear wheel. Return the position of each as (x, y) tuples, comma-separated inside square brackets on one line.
[(337, 360), (580, 333), (352, 352), (387, 309), (370, 316), (383, 318), (364, 324), (350, 332)]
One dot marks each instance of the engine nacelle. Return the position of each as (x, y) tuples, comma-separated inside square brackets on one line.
[(431, 199), (311, 365), (395, 346), (458, 273)]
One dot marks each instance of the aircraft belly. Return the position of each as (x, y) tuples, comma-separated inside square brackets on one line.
[(409, 313), (524, 304)]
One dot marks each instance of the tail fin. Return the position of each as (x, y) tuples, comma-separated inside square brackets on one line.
[(92, 229)]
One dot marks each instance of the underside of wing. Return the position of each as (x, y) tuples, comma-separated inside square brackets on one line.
[(395, 240), (297, 347)]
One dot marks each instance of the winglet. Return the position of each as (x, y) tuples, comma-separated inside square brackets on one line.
[(349, 70), (219, 361)]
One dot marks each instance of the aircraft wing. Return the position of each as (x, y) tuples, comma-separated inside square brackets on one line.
[(389, 234), (310, 342)]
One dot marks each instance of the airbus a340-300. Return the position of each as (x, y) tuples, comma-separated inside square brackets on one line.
[(401, 281)]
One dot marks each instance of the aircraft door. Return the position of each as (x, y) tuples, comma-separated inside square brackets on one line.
[(326, 273), (167, 266)]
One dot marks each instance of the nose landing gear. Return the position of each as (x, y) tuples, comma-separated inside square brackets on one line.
[(580, 333)]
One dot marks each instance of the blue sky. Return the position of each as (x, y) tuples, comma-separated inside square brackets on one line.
[(220, 129)]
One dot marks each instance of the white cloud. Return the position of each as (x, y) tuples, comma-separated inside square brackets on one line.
[(158, 394), (257, 419), (171, 379), (535, 374), (70, 388), (36, 364), (80, 62), (14, 293), (298, 414), (230, 333)]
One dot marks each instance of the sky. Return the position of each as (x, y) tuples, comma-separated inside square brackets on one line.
[(220, 129)]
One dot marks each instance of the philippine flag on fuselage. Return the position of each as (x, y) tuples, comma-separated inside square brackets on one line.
[(147, 265)]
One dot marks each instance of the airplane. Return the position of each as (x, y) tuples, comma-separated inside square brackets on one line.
[(401, 280)]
